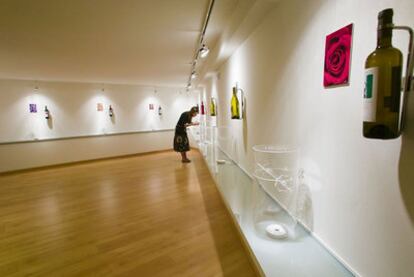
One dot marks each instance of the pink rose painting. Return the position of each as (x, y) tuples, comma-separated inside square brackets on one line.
[(338, 57)]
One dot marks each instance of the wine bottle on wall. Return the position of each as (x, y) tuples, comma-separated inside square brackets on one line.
[(47, 113), (212, 107), (383, 84), (202, 108), (111, 111), (235, 112)]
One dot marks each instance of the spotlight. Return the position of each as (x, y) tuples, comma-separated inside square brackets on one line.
[(194, 75), (204, 51)]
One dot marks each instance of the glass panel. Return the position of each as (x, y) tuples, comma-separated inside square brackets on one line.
[(301, 256)]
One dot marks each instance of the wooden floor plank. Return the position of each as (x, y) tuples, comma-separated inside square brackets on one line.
[(148, 215)]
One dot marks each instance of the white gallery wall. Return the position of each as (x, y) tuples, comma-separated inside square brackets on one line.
[(360, 192), (82, 132)]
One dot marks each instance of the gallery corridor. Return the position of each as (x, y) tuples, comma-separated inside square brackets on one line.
[(297, 118)]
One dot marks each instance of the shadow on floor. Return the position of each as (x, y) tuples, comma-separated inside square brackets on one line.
[(226, 240)]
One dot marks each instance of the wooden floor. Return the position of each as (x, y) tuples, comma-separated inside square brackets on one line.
[(147, 215)]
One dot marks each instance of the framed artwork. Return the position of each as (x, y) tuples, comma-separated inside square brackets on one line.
[(151, 106), (99, 107), (32, 108), (338, 57)]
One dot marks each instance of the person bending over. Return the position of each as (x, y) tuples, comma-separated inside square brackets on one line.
[(181, 143)]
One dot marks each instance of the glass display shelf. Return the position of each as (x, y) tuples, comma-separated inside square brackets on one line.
[(301, 256)]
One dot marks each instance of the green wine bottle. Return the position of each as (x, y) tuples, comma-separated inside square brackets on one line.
[(212, 107), (383, 84), (235, 112)]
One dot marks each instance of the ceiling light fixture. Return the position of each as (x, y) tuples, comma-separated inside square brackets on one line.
[(202, 49)]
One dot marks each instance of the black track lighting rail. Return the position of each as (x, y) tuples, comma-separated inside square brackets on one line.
[(201, 42)]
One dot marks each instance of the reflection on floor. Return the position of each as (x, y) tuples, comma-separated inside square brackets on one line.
[(141, 216)]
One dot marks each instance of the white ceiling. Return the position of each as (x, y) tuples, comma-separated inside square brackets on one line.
[(149, 42)]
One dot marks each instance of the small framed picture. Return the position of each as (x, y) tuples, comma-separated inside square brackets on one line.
[(151, 106), (33, 108), (99, 107), (338, 57)]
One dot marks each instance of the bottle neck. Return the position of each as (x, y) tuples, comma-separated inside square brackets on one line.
[(384, 38)]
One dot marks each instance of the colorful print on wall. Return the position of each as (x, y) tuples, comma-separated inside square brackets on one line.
[(32, 108), (338, 57), (213, 107), (99, 107)]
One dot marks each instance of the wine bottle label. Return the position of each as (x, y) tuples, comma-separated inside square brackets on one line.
[(370, 94)]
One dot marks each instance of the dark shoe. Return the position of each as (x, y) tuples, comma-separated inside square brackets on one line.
[(186, 161)]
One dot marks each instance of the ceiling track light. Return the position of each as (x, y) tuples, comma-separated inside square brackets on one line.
[(202, 49)]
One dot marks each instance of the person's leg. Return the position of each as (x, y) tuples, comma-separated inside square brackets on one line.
[(184, 157)]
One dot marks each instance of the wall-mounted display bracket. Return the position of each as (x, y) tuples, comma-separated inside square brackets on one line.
[(409, 78)]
